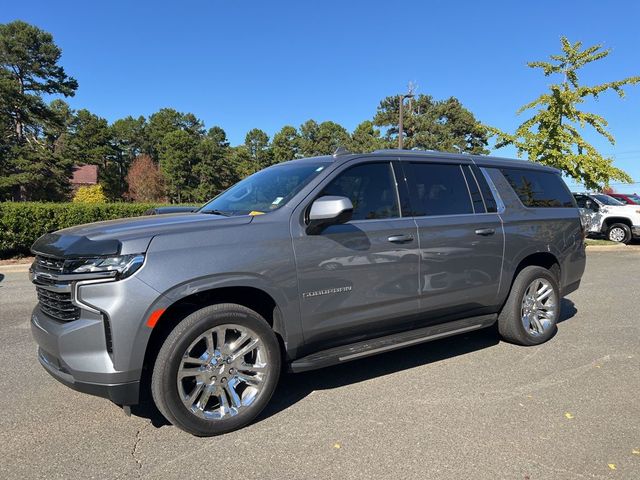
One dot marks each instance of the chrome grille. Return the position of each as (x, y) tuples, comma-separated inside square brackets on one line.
[(49, 264), (54, 294), (57, 305)]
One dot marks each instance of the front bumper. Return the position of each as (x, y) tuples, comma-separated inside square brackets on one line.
[(74, 353), (102, 351), (119, 393)]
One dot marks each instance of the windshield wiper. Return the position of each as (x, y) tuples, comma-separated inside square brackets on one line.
[(216, 212)]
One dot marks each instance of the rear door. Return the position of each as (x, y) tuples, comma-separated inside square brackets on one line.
[(360, 279), (460, 240)]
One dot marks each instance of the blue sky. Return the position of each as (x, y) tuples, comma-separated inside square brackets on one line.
[(245, 64)]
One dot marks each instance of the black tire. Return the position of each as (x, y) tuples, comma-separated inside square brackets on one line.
[(510, 323), (164, 383), (614, 233)]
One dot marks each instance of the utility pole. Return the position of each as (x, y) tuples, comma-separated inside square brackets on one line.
[(400, 133), (400, 120)]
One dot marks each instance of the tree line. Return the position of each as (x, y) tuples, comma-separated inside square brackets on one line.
[(172, 155)]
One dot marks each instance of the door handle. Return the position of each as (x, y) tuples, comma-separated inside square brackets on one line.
[(485, 232), (400, 238)]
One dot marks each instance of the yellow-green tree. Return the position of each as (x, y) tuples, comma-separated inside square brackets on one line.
[(90, 194), (552, 136)]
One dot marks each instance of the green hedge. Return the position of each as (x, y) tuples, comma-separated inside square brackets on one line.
[(21, 223)]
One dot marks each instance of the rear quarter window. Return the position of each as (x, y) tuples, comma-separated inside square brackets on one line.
[(538, 189)]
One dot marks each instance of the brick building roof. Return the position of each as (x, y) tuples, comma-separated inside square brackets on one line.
[(85, 175)]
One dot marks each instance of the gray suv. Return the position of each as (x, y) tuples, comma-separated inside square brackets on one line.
[(305, 264)]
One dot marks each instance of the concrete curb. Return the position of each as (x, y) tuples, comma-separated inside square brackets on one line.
[(16, 267), (608, 248)]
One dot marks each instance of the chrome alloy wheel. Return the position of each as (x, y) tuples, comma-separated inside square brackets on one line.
[(538, 307), (617, 234), (222, 372)]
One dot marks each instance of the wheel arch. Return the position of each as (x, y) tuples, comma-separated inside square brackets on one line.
[(607, 222), (543, 259)]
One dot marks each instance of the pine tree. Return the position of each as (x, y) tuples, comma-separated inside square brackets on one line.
[(29, 69)]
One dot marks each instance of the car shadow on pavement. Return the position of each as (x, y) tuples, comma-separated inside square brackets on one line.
[(1, 277), (567, 310), (293, 388)]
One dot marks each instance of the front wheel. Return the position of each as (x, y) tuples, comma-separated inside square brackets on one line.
[(619, 232), (216, 370)]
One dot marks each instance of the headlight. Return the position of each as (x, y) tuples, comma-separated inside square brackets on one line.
[(123, 265)]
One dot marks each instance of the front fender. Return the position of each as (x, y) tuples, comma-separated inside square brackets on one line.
[(290, 329)]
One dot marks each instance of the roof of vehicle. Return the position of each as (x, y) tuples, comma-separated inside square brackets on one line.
[(480, 160), (591, 193)]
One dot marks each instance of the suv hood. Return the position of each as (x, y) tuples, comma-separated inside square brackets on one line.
[(125, 236), (623, 210)]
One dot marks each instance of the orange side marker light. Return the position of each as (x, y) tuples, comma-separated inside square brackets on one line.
[(154, 317)]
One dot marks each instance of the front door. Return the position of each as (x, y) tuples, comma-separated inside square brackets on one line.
[(590, 214), (360, 279)]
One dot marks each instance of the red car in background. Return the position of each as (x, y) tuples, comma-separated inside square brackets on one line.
[(626, 198)]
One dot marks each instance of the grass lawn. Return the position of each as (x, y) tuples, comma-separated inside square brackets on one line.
[(597, 241)]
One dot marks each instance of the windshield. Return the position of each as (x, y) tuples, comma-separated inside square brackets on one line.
[(634, 198), (607, 200), (264, 191)]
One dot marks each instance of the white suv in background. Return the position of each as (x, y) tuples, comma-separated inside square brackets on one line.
[(605, 215)]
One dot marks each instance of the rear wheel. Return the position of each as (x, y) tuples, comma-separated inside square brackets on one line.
[(619, 232), (217, 370), (530, 315)]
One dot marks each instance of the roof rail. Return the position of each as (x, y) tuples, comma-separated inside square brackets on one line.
[(387, 150), (398, 150)]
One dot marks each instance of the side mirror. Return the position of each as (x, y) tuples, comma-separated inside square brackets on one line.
[(327, 211)]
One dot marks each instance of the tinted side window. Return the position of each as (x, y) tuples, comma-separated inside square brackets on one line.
[(581, 200), (487, 194), (371, 189), (474, 190), (438, 189), (538, 189)]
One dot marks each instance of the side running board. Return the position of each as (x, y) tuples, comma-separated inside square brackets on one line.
[(363, 349)]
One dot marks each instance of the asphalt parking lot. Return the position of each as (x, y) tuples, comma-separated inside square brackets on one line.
[(463, 407)]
